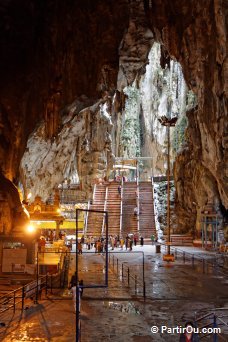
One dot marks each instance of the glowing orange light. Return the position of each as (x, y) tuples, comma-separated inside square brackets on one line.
[(30, 228), (29, 195)]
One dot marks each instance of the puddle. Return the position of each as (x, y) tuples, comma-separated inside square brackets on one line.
[(129, 307)]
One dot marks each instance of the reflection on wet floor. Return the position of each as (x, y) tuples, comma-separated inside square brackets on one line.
[(174, 292), (128, 307)]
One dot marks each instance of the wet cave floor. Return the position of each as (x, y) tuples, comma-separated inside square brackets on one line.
[(174, 292)]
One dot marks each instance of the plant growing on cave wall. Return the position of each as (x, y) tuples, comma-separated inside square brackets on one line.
[(191, 101), (130, 138), (178, 137)]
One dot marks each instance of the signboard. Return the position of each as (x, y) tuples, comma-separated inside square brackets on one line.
[(13, 256), (221, 237)]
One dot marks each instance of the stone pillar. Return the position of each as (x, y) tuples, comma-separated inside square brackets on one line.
[(1, 253), (198, 224), (57, 229)]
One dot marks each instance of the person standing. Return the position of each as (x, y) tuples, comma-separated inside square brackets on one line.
[(51, 236), (152, 239), (81, 284), (121, 243), (70, 244), (135, 239), (88, 242), (82, 240), (99, 246), (112, 242), (126, 242), (141, 241), (189, 335), (42, 246), (130, 244), (79, 248), (73, 287)]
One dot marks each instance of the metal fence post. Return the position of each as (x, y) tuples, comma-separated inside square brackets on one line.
[(184, 257), (23, 298), (60, 277), (117, 265), (144, 290), (113, 262), (135, 284), (14, 300), (176, 253), (215, 337), (122, 271), (51, 284), (46, 285), (128, 276)]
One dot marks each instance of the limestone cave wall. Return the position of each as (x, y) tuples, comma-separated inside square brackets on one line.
[(195, 34), (82, 150), (163, 92)]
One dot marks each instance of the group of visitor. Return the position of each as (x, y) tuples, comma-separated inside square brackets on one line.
[(50, 235), (96, 243), (114, 242)]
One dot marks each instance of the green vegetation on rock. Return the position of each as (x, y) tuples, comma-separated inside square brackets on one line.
[(130, 139)]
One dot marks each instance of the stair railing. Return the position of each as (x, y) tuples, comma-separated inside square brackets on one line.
[(137, 203), (86, 219), (212, 324), (152, 185), (94, 191), (87, 213), (105, 206), (121, 206)]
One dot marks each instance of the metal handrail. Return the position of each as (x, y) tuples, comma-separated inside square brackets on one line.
[(212, 320), (137, 202), (94, 191), (105, 206), (152, 185), (23, 291), (212, 262), (31, 289), (135, 278), (121, 206), (86, 219)]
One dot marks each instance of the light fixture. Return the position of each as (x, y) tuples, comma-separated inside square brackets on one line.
[(30, 228), (29, 195)]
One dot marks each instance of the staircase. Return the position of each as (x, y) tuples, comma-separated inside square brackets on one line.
[(113, 205), (146, 205), (129, 202), (106, 197), (95, 220)]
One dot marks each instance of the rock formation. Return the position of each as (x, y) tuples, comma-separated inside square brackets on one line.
[(82, 149), (194, 33)]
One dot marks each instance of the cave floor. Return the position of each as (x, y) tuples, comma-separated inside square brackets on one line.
[(175, 291)]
